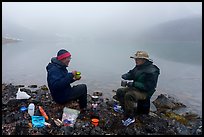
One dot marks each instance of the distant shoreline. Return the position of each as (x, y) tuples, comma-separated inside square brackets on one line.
[(5, 40)]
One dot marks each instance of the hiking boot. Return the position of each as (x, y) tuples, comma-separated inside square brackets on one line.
[(118, 108), (128, 121)]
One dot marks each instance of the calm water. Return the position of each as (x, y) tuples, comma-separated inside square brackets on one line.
[(102, 65)]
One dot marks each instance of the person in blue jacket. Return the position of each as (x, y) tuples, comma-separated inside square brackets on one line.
[(59, 80)]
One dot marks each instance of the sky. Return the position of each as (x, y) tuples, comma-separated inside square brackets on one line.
[(89, 16)]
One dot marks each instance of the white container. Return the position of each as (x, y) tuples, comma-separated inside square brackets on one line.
[(31, 109)]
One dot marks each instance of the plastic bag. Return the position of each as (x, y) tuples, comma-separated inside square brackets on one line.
[(22, 95), (69, 116)]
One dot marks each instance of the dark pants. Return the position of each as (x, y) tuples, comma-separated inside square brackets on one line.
[(143, 106), (128, 97), (78, 92)]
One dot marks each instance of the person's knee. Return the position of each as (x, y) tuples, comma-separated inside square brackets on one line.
[(84, 88), (129, 96), (119, 92)]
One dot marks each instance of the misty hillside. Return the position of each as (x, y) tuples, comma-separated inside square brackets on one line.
[(186, 29), (16, 31), (12, 30)]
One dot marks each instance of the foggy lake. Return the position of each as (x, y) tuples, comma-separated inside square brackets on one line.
[(102, 65)]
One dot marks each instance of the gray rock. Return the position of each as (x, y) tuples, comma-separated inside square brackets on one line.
[(156, 123), (32, 86), (167, 102), (199, 131), (152, 107)]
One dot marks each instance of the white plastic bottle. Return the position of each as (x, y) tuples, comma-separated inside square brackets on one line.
[(31, 109)]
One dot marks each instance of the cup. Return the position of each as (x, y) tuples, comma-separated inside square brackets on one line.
[(95, 121), (95, 98), (78, 75)]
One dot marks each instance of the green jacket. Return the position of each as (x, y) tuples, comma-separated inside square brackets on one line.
[(144, 77)]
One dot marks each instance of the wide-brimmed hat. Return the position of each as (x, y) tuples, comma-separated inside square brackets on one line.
[(141, 55)]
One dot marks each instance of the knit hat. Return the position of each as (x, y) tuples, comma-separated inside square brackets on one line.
[(63, 54)]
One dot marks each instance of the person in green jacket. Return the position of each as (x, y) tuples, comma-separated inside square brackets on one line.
[(138, 91)]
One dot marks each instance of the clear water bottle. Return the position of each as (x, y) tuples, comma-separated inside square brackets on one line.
[(31, 109)]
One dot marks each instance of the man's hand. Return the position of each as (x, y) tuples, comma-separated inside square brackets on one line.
[(76, 77), (124, 76), (74, 72), (130, 84)]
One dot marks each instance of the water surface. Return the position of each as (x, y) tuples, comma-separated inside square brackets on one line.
[(102, 65)]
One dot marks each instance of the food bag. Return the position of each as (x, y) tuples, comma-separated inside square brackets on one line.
[(69, 116)]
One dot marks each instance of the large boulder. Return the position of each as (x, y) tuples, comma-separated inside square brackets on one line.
[(167, 102)]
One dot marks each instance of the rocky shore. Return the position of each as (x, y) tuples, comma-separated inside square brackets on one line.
[(167, 116)]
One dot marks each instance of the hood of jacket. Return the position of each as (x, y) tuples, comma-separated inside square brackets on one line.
[(57, 63)]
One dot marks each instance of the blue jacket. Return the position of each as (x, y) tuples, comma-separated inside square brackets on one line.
[(59, 80)]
